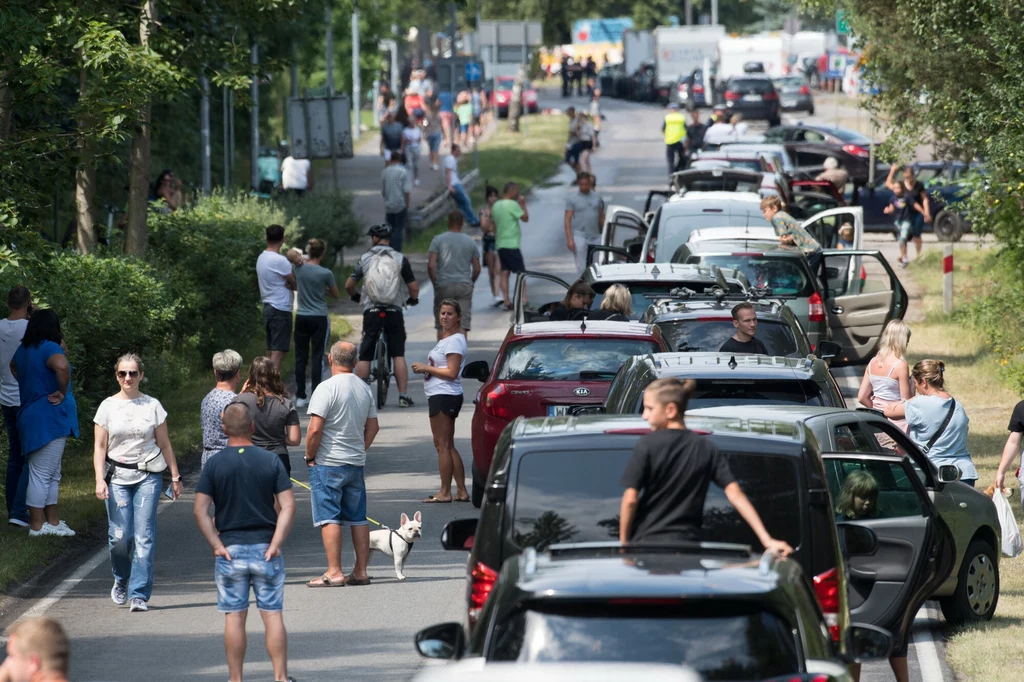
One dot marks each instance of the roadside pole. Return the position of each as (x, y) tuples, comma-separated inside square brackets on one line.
[(227, 136), (329, 21), (947, 279), (204, 131), (254, 119), (357, 86)]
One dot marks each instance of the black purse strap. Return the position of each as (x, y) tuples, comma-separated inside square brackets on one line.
[(942, 426)]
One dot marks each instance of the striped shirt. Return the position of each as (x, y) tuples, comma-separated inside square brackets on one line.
[(396, 184)]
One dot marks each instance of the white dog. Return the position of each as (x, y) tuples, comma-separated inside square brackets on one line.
[(397, 543)]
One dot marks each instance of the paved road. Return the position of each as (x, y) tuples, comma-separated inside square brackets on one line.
[(351, 633)]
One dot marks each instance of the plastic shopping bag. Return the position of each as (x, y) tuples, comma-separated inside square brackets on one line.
[(1012, 542)]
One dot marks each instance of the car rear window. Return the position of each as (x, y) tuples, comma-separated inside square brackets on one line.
[(691, 336), (675, 230), (750, 85), (643, 295), (790, 81), (728, 392), (721, 640), (564, 359), (787, 275), (721, 183), (503, 86), (574, 497)]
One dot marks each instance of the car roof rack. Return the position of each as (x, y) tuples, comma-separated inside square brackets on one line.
[(753, 294)]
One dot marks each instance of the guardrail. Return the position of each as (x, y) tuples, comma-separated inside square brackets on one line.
[(438, 207)]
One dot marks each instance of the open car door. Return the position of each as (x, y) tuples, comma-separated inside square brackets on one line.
[(535, 294), (655, 198), (825, 226), (626, 229), (897, 551), (862, 294)]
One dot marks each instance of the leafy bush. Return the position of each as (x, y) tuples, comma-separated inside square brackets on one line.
[(326, 216)]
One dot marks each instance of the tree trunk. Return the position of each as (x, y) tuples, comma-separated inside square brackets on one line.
[(138, 170), (85, 187), (6, 108)]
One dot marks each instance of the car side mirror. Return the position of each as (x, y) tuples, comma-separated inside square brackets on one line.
[(856, 540), (949, 473), (458, 535), (829, 350), (867, 643), (477, 370), (582, 410), (446, 641)]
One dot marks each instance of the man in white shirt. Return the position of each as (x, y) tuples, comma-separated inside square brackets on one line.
[(455, 188), (12, 329), (342, 426), (295, 175), (277, 282)]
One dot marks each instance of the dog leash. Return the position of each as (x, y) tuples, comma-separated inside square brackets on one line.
[(376, 523)]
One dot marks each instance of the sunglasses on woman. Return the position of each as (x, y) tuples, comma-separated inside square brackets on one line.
[(121, 374)]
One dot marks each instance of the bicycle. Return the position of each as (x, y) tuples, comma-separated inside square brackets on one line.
[(382, 366)]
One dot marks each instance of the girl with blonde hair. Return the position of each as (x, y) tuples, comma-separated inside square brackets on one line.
[(887, 376), (616, 306)]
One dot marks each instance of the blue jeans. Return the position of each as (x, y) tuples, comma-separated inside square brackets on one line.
[(464, 204), (131, 516), (249, 567), (17, 469)]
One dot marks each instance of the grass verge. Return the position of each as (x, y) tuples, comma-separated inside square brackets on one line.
[(975, 376), (528, 157)]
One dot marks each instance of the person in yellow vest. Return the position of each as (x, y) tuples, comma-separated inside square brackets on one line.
[(674, 128)]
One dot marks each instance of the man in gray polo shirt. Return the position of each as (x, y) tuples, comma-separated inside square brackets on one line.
[(453, 267), (584, 218)]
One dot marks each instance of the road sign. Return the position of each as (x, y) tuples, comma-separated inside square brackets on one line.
[(842, 22), (474, 72), (836, 65)]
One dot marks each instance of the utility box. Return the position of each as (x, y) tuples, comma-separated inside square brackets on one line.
[(310, 128)]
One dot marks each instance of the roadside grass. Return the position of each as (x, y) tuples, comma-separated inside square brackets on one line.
[(25, 557), (974, 374), (528, 157)]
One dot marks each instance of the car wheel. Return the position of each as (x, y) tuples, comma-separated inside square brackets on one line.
[(477, 493), (810, 111), (947, 226), (977, 587)]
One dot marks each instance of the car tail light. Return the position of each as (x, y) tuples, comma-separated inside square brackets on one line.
[(815, 308), (863, 274), (804, 90), (681, 88), (826, 589), (800, 677), (495, 403), (730, 95), (481, 582), (770, 96), (856, 150), (698, 89)]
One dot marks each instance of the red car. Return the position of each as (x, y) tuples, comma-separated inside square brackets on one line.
[(502, 95), (546, 368)]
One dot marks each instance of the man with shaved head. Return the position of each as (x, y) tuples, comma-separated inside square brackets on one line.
[(37, 651), (248, 485)]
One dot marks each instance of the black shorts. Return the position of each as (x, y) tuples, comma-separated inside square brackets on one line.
[(511, 260), (286, 461), (487, 241), (278, 326), (450, 405), (393, 327)]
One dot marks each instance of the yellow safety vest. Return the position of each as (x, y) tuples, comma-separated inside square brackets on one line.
[(675, 127)]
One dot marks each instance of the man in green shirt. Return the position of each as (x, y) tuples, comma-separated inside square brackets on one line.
[(792, 233), (506, 214)]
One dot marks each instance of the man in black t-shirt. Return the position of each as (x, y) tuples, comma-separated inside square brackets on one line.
[(667, 477), (1012, 449), (744, 318), (243, 482)]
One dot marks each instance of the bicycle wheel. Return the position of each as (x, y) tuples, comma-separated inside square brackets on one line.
[(383, 376)]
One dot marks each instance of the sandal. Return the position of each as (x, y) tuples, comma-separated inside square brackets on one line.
[(461, 499), (507, 308), (325, 581), (435, 500), (349, 580)]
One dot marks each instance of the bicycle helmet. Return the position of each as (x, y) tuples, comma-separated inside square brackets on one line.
[(380, 231)]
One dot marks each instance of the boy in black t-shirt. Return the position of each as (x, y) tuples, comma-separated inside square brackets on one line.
[(673, 467), (744, 319)]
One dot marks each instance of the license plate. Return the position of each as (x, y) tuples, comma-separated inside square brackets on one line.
[(751, 98), (558, 410), (789, 102)]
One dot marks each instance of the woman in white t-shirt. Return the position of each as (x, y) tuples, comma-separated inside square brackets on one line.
[(412, 138), (131, 452), (443, 385)]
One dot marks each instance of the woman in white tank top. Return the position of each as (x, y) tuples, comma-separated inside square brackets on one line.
[(887, 376)]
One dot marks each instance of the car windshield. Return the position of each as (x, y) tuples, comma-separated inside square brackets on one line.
[(728, 642), (564, 359), (674, 231), (574, 497), (851, 136), (503, 86), (786, 274), (697, 335), (643, 294)]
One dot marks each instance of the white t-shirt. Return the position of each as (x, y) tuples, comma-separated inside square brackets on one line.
[(295, 173), (271, 271), (452, 164), (345, 403), (131, 433), (721, 133), (11, 333), (412, 136), (438, 357)]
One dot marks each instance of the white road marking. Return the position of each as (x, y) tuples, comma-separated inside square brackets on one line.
[(924, 644)]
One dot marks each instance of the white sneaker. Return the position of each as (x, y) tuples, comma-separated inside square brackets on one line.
[(434, 166), (416, 182), (302, 402), (498, 299), (45, 529), (138, 605), (63, 530), (18, 522), (119, 593)]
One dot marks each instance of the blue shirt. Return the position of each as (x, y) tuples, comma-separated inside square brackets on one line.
[(39, 422), (924, 415)]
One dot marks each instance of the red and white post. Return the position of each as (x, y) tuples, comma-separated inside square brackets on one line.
[(947, 279)]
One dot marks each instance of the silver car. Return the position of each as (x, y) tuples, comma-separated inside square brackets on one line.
[(795, 94)]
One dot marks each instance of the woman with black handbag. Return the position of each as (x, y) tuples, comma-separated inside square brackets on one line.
[(132, 450)]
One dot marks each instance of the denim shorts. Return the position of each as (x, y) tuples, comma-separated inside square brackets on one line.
[(338, 495), (248, 567)]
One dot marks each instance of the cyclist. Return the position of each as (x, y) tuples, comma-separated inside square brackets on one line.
[(389, 283)]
